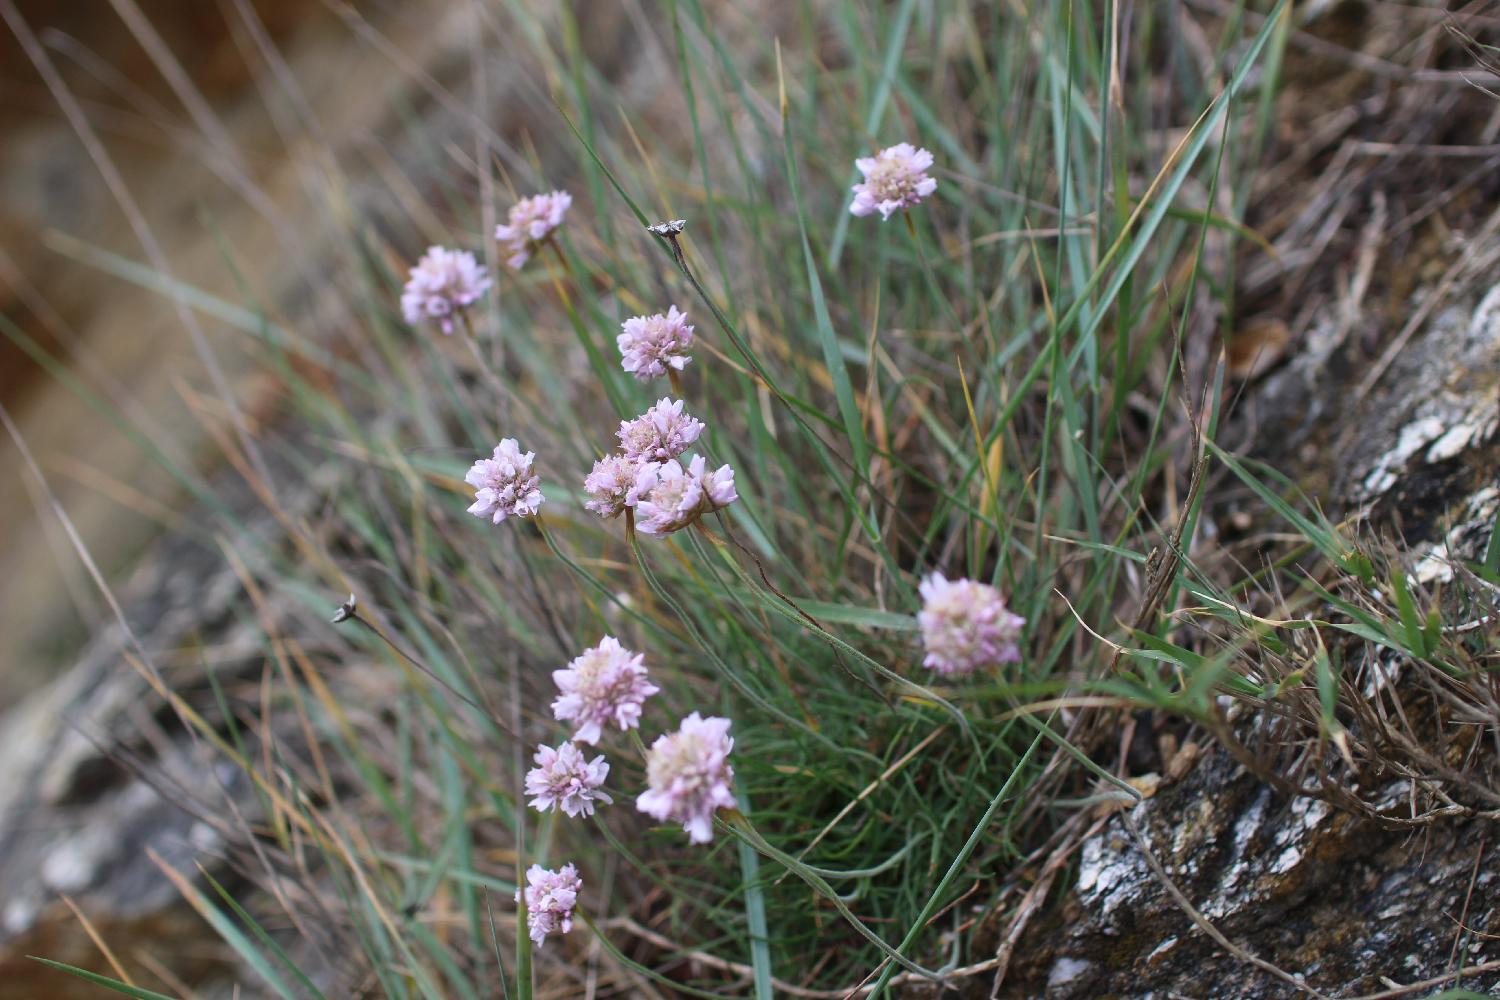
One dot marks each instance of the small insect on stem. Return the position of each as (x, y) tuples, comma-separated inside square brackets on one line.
[(669, 231), (346, 610)]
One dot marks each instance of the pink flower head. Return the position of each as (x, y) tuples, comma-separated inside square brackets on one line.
[(531, 220), (563, 779), (660, 433), (894, 178), (550, 899), (612, 484), (688, 775), (504, 484), (603, 685), (443, 283), (649, 345), (670, 497), (966, 626)]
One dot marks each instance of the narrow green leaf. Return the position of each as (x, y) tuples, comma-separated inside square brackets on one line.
[(833, 356), (755, 910), (104, 981), (1411, 622), (262, 936)]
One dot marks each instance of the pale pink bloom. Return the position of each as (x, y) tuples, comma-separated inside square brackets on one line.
[(612, 484), (894, 178), (966, 626), (443, 283), (564, 779), (660, 433), (649, 345), (531, 221), (605, 684), (670, 497), (688, 775), (504, 484), (550, 899)]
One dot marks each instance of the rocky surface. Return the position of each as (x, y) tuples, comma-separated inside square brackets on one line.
[(102, 774), (1349, 907), (1350, 904)]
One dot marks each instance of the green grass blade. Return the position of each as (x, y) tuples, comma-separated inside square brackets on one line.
[(104, 981), (755, 911)]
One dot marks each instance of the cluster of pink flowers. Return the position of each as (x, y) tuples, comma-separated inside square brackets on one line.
[(564, 779), (687, 772), (669, 497), (504, 484), (895, 178), (689, 777), (647, 476), (611, 486), (966, 626), (443, 284), (531, 221), (661, 433), (606, 684), (651, 345), (550, 899)]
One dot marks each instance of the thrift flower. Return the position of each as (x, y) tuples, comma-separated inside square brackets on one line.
[(443, 283), (688, 775), (605, 684), (650, 345), (563, 779), (612, 484), (670, 497), (550, 899), (531, 221), (504, 484), (661, 433), (966, 626), (894, 178)]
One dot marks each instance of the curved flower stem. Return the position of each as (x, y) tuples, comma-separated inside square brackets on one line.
[(735, 822), (557, 282), (586, 338), (808, 619), (796, 409), (933, 901), (562, 258), (353, 615), (676, 985), (471, 340), (796, 614), (930, 275), (545, 610), (608, 593), (638, 743), (755, 697), (524, 984)]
